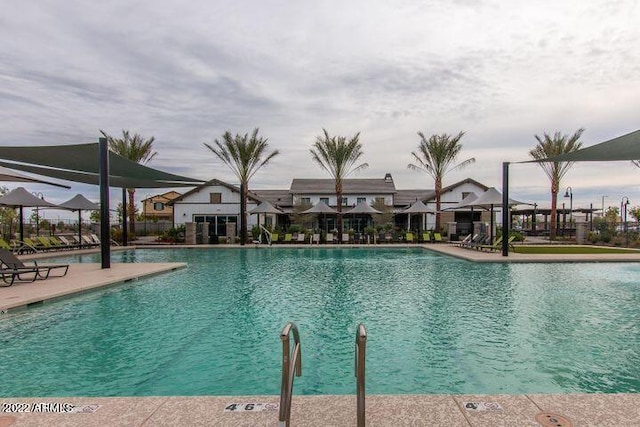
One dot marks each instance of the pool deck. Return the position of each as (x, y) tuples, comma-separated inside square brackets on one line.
[(396, 410), (595, 410)]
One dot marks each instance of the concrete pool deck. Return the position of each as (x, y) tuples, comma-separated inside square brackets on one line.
[(396, 410), (595, 410)]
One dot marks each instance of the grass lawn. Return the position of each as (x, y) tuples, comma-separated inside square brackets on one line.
[(568, 249)]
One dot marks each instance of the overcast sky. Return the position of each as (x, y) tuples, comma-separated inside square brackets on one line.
[(185, 72)]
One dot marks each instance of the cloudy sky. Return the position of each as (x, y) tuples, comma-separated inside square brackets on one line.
[(185, 72)]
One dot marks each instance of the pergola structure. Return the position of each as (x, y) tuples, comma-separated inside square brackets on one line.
[(91, 163), (622, 148)]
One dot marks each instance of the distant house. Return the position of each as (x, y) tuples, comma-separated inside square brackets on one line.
[(158, 207), (218, 202)]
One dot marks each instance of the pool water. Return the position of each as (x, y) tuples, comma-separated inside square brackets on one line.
[(435, 324)]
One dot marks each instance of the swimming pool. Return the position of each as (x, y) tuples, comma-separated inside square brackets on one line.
[(436, 325)]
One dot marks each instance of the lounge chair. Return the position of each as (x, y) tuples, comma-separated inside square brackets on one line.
[(409, 237), (287, 238), (12, 262), (478, 239), (10, 275), (5, 245), (463, 241), (426, 237), (437, 237), (330, 238), (315, 238), (300, 238), (67, 243), (345, 237)]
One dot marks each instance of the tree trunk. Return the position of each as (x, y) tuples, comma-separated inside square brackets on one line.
[(339, 209), (243, 213), (131, 209), (438, 195), (554, 212)]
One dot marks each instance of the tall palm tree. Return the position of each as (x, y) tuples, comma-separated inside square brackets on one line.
[(244, 155), (136, 149), (554, 146), (338, 156), (435, 156)]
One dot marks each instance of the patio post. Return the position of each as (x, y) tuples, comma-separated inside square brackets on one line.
[(505, 209), (105, 238)]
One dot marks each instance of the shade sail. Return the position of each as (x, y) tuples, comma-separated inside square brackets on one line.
[(320, 208), (21, 197), (265, 208), (417, 208), (79, 203), (13, 176), (79, 163), (363, 208), (625, 147)]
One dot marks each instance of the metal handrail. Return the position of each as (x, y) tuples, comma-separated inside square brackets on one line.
[(361, 348), (291, 365), (267, 232)]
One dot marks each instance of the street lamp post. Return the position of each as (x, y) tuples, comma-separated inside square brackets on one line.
[(569, 193), (624, 203), (603, 205), (41, 197)]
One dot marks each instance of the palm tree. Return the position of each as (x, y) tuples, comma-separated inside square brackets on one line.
[(550, 147), (435, 156), (636, 162), (244, 155), (338, 156), (136, 149)]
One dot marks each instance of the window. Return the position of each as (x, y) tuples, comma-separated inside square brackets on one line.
[(345, 201), (380, 200), (465, 194), (325, 200), (158, 206), (215, 198), (362, 200), (305, 200)]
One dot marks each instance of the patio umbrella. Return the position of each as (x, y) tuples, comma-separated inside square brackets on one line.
[(417, 208), (265, 208), (464, 204), (321, 208), (363, 208), (20, 198), (79, 203), (488, 200)]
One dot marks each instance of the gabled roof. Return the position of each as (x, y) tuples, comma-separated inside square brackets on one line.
[(349, 186), (211, 183), (406, 197), (278, 198), (167, 196)]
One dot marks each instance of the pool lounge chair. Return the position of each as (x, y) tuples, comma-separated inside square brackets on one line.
[(10, 275), (9, 261), (345, 237), (287, 238), (437, 237), (464, 241), (409, 237), (300, 238), (426, 237), (315, 238), (330, 238)]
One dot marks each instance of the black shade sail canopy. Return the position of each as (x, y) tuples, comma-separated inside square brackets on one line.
[(13, 176), (79, 163), (625, 147)]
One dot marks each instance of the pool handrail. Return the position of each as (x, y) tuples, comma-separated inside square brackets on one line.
[(291, 365), (361, 347)]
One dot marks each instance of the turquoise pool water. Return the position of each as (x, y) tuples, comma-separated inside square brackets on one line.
[(436, 325)]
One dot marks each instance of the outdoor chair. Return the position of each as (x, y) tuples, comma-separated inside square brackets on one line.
[(426, 237), (67, 243), (5, 245), (315, 238), (300, 238), (437, 237), (12, 262), (464, 241), (330, 238), (274, 238), (345, 237), (10, 275), (409, 237), (287, 238)]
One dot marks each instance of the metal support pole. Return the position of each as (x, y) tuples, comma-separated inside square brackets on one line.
[(124, 217), (21, 225), (105, 238), (505, 209)]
